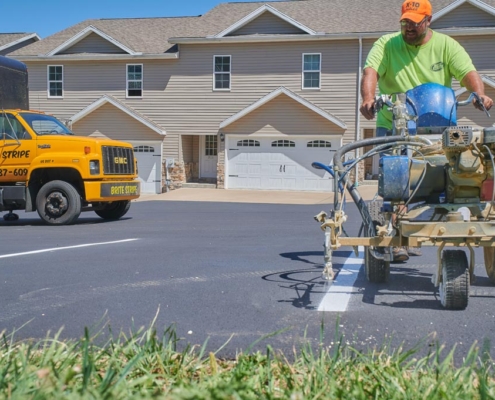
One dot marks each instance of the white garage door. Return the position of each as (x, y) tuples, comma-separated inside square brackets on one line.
[(149, 160), (279, 164)]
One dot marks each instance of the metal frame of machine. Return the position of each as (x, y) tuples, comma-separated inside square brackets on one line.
[(430, 171)]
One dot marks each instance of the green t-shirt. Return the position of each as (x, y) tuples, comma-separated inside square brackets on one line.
[(401, 66)]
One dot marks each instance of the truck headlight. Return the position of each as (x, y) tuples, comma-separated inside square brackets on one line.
[(94, 167)]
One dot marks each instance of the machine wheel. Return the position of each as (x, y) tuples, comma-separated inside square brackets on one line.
[(454, 288), (58, 203), (489, 253), (377, 271), (114, 210)]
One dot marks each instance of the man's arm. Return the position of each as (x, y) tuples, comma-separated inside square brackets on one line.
[(473, 83), (368, 89)]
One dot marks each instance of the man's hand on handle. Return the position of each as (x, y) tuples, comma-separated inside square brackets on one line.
[(368, 109), (487, 102)]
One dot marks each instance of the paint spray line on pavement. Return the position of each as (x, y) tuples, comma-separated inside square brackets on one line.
[(340, 292), (65, 248)]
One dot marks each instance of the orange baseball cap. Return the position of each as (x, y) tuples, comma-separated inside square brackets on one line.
[(415, 10)]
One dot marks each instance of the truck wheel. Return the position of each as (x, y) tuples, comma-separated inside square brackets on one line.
[(377, 271), (58, 203), (454, 288), (114, 210), (489, 253)]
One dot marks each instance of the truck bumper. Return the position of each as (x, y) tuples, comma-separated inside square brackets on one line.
[(112, 191)]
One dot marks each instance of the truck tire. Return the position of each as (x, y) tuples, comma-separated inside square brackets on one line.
[(114, 210), (454, 288), (58, 203), (377, 271)]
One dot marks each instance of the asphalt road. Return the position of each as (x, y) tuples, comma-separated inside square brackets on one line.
[(226, 272)]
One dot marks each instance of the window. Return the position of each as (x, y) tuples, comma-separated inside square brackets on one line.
[(211, 145), (144, 149), (134, 80), (319, 143), (11, 128), (311, 71), (221, 72), (55, 81), (283, 143), (248, 143)]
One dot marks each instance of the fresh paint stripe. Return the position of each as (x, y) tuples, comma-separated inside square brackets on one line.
[(64, 248), (340, 292)]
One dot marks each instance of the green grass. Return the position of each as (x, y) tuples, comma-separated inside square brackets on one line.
[(146, 364)]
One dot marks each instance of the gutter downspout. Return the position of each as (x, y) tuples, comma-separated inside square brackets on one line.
[(358, 102)]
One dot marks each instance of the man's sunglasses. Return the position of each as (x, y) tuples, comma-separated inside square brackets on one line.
[(406, 22)]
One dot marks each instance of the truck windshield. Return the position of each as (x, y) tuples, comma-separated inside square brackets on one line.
[(45, 124)]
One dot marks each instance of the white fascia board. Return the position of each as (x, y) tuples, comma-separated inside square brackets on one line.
[(104, 57), (107, 99), (23, 39), (85, 32), (271, 96), (256, 13), (455, 4)]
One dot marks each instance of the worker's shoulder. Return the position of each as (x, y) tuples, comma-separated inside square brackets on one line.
[(390, 37), (442, 37)]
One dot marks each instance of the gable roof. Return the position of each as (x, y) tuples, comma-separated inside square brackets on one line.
[(256, 13), (319, 19), (12, 39), (121, 106), (83, 34), (277, 92)]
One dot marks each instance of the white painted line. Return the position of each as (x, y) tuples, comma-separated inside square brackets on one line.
[(340, 292), (64, 248)]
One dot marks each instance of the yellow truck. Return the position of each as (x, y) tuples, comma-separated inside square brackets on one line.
[(44, 167)]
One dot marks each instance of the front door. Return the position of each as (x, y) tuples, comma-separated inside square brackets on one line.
[(209, 156)]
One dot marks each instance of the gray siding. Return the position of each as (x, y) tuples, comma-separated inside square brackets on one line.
[(114, 124), (17, 46), (93, 43), (267, 24), (466, 15)]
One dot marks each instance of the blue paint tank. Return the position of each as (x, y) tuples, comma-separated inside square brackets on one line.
[(434, 104)]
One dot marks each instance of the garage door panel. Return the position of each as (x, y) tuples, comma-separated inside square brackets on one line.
[(280, 168), (148, 158)]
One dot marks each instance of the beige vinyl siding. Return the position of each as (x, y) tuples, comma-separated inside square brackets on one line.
[(466, 15), (93, 43), (267, 24), (283, 115), (470, 116), (178, 94), (114, 124), (187, 148)]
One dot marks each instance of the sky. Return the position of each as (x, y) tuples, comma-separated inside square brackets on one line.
[(46, 17)]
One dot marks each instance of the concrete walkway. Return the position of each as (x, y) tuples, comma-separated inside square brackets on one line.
[(253, 196)]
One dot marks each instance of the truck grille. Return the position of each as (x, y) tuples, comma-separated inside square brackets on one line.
[(118, 160)]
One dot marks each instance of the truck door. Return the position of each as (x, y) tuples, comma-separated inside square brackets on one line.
[(17, 149)]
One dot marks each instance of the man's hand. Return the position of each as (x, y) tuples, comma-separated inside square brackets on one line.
[(368, 109), (487, 102)]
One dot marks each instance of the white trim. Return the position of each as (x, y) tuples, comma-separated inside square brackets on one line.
[(486, 80), (271, 96), (330, 36), (100, 57), (303, 71), (256, 13), (455, 4), (23, 39), (108, 99), (48, 82), (215, 73), (127, 82), (86, 32)]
